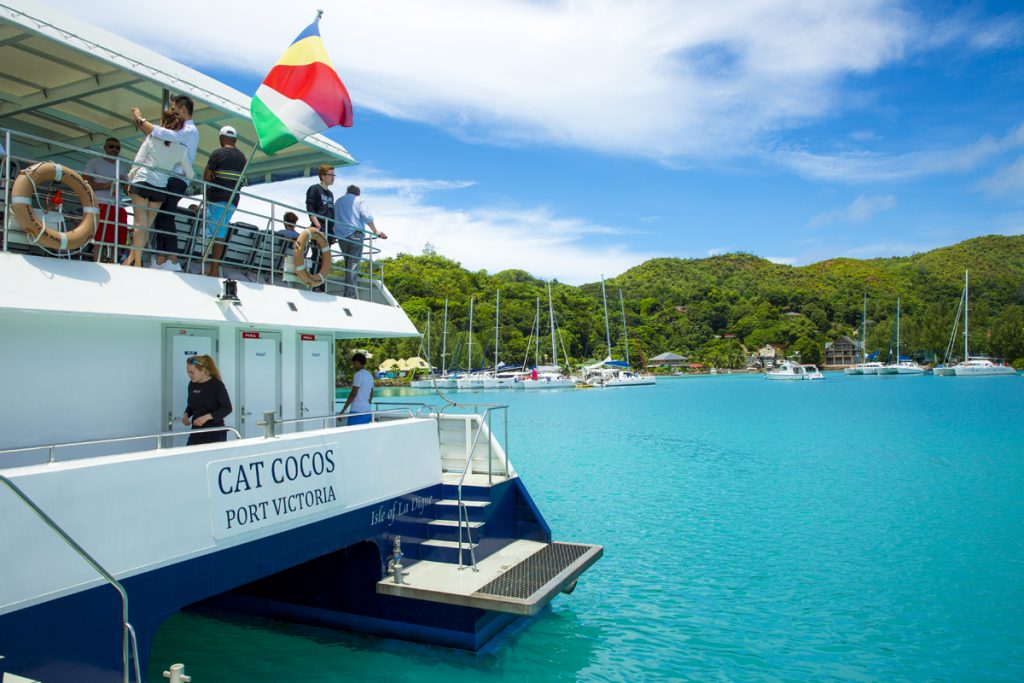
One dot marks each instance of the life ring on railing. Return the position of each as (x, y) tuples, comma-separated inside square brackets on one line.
[(21, 205), (299, 258)]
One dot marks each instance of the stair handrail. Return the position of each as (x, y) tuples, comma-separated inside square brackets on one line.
[(463, 510), (130, 647)]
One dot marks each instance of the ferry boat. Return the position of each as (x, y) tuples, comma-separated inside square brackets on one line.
[(415, 525)]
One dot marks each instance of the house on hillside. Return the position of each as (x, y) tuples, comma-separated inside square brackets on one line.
[(770, 355), (842, 353), (667, 360)]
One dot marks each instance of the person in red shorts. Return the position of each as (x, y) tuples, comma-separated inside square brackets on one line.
[(113, 224)]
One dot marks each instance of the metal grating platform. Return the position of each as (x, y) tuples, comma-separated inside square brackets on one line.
[(533, 573), (520, 578)]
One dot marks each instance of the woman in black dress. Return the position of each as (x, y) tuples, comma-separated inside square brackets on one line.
[(208, 400)]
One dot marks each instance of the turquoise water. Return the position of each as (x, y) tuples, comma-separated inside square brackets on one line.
[(856, 529)]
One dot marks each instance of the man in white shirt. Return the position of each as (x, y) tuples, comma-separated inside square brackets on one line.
[(164, 225), (351, 218), (361, 398), (112, 228)]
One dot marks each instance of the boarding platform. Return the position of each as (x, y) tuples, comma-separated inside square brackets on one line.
[(521, 578)]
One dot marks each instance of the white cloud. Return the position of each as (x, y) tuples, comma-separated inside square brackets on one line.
[(860, 210), (656, 78), (530, 238), (782, 260), (1007, 180), (861, 167)]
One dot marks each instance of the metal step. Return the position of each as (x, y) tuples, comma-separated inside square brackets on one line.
[(521, 578)]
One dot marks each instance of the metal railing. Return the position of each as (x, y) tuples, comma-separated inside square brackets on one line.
[(52, 448), (253, 249), (465, 530), (130, 647), (270, 422), (488, 410)]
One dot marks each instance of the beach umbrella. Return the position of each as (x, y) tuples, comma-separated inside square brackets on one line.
[(416, 363)]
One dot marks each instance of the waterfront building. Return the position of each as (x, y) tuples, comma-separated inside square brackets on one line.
[(842, 352)]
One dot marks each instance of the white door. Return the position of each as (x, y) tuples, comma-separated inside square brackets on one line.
[(260, 374), (180, 344), (316, 377)]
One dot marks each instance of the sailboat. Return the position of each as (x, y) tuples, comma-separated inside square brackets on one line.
[(433, 381), (614, 373), (901, 366), (470, 381), (971, 367), (550, 377), (864, 367)]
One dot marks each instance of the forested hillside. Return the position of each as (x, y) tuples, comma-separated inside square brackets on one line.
[(718, 309)]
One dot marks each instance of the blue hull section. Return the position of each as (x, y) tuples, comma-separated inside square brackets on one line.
[(323, 574)]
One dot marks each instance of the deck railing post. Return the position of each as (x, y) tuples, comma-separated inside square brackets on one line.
[(7, 185), (269, 427), (116, 207)]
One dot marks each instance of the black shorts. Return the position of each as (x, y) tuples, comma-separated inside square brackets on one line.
[(148, 192)]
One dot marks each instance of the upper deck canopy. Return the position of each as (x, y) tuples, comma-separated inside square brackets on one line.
[(71, 82)]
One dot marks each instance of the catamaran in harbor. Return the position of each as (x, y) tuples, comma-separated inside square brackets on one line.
[(414, 525), (969, 367)]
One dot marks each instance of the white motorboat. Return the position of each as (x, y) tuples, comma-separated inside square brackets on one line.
[(788, 370)]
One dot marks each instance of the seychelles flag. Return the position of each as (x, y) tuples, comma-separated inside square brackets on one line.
[(301, 96)]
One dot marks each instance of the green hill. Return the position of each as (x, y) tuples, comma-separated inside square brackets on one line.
[(717, 309)]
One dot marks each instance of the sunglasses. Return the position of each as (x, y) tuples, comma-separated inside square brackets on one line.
[(194, 361)]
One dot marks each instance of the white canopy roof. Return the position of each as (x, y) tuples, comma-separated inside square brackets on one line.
[(71, 82)]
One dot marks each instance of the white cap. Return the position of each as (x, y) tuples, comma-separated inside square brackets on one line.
[(228, 132)]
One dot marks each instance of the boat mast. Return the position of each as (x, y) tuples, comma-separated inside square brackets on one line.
[(967, 299), (430, 368), (551, 315), (536, 341), (864, 332), (469, 365), (607, 332), (497, 313), (625, 333), (897, 330), (444, 340)]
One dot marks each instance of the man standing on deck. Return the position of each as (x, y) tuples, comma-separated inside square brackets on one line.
[(112, 227), (320, 207), (164, 225), (361, 397), (353, 217), (223, 172)]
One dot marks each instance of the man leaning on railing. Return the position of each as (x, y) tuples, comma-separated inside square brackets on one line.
[(351, 218)]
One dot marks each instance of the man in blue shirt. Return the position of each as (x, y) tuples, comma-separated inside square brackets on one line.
[(351, 218)]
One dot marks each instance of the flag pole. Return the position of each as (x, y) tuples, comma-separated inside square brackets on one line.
[(234, 192), (238, 185)]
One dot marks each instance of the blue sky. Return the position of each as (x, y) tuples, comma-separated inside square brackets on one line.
[(571, 138)]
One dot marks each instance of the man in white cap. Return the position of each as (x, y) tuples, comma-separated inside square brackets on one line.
[(223, 172)]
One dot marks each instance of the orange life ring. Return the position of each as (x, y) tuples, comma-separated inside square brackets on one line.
[(21, 206), (299, 258)]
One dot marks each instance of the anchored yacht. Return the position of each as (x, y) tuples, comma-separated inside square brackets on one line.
[(415, 525)]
